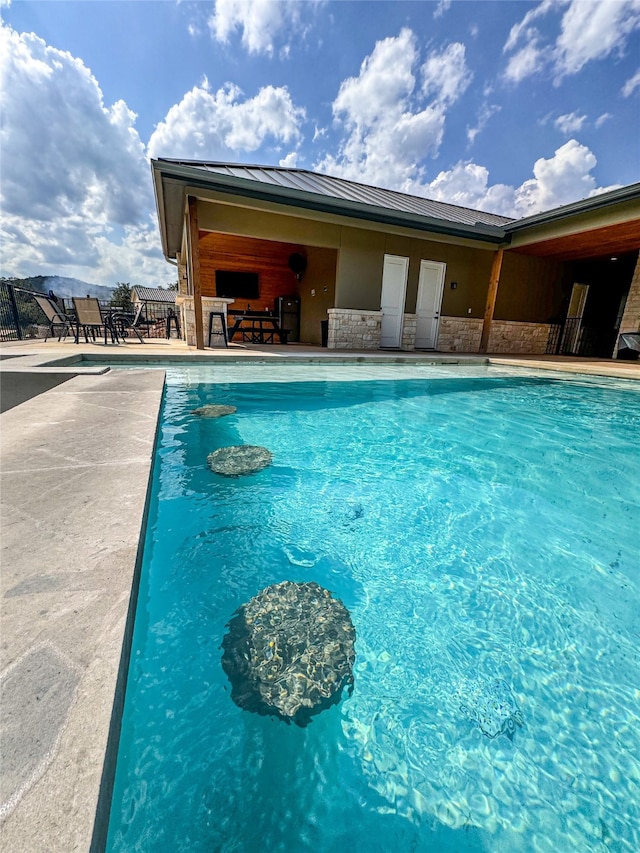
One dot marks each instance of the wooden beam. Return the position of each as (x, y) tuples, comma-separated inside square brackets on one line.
[(492, 293), (194, 246)]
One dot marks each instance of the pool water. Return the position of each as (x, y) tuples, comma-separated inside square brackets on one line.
[(481, 528)]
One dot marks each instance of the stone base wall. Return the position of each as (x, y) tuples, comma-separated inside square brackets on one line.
[(351, 329), (514, 338), (459, 334), (463, 334), (409, 332), (631, 317), (184, 305)]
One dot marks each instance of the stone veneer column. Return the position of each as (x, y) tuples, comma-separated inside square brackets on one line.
[(353, 329), (184, 304), (631, 317), (409, 332)]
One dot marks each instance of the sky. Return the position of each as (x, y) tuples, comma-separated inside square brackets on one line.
[(511, 107)]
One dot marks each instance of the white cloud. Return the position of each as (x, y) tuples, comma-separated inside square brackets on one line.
[(484, 115), (389, 129), (594, 30), (79, 179), (442, 7), (220, 125), (558, 180), (588, 30), (570, 123), (290, 161), (631, 85), (64, 144), (446, 75), (602, 119), (262, 23), (527, 61), (525, 29)]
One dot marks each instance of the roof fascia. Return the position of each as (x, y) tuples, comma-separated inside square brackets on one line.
[(156, 176), (194, 177)]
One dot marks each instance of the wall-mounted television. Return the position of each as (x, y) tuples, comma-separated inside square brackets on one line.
[(237, 285)]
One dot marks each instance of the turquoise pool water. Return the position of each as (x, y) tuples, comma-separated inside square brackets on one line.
[(480, 526)]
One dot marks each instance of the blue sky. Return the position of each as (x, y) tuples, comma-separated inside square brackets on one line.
[(512, 107)]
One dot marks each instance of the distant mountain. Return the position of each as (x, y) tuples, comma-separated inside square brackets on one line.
[(63, 286)]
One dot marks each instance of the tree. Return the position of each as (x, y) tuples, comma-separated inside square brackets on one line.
[(121, 296)]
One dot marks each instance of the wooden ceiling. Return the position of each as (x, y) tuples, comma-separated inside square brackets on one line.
[(599, 242)]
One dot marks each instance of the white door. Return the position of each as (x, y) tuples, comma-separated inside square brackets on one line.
[(394, 288), (430, 285)]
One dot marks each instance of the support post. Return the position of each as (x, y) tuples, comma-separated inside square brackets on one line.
[(14, 310), (194, 246), (491, 299)]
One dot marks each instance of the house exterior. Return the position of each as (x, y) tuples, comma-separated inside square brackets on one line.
[(156, 300), (391, 270)]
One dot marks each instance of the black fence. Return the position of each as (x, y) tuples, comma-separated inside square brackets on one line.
[(21, 318), (156, 313), (571, 337)]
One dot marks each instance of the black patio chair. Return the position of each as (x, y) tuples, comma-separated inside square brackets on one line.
[(124, 322), (56, 317)]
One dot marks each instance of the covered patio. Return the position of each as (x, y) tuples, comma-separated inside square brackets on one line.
[(379, 269)]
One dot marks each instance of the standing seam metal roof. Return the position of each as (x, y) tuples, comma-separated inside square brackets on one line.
[(339, 188), (155, 294)]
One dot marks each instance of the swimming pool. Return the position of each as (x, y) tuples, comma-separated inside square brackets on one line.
[(481, 527)]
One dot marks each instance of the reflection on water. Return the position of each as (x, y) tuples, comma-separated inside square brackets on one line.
[(485, 545)]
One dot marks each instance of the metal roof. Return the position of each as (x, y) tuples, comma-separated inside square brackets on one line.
[(339, 188), (304, 190), (154, 294)]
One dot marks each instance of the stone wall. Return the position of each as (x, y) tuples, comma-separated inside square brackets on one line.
[(631, 317), (409, 332), (184, 306), (351, 329), (459, 334), (463, 334), (507, 336)]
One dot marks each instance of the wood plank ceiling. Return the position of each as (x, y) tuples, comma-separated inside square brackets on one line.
[(599, 242)]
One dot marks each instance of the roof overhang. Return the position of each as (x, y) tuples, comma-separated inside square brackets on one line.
[(606, 223), (597, 242), (173, 182)]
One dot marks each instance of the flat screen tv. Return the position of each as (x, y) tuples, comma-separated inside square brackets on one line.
[(237, 285)]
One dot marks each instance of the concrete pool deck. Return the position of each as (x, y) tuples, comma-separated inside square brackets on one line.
[(76, 463)]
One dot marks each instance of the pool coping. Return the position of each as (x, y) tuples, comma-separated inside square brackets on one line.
[(63, 357), (77, 462), (64, 474)]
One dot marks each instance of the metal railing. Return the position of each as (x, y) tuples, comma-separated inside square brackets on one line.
[(21, 318), (571, 337), (20, 315)]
